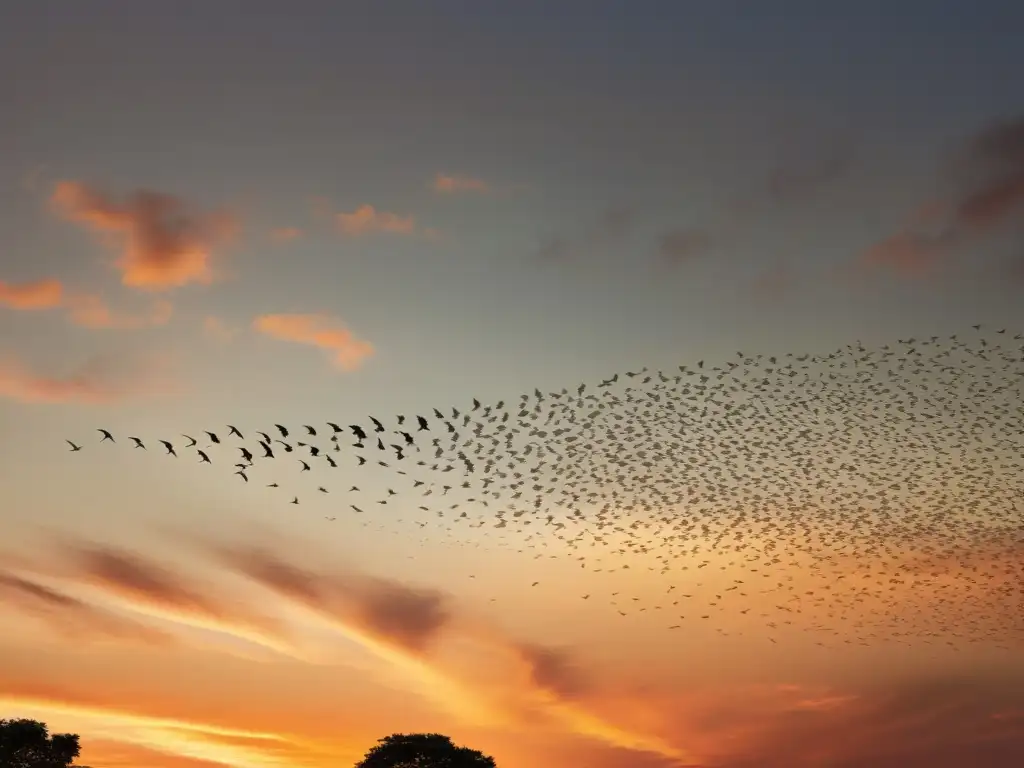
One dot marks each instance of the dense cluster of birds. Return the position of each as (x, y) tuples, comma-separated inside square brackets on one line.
[(876, 492)]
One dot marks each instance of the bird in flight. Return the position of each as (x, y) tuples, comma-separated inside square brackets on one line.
[(106, 436), (203, 458), (234, 431), (138, 442), (169, 447), (74, 447)]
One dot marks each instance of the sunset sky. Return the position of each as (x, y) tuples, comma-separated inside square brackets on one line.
[(265, 212)]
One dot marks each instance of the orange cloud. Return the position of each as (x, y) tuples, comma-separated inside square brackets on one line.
[(285, 234), (90, 311), (448, 184), (217, 330), (366, 220), (70, 616), (93, 384), (163, 244), (347, 352), (39, 294)]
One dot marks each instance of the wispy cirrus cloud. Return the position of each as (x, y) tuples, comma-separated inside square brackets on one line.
[(163, 243), (34, 295), (71, 616), (452, 183), (98, 382), (398, 624), (347, 352)]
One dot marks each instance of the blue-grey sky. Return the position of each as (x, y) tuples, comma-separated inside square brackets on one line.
[(537, 193)]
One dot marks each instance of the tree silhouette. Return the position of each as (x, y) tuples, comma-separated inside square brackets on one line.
[(423, 750), (28, 744)]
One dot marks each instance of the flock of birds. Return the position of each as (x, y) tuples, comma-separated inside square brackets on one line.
[(867, 494)]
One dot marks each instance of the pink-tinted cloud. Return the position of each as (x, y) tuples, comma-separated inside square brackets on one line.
[(96, 383), (38, 294), (163, 243), (366, 220), (90, 311), (905, 253), (347, 352), (989, 201), (452, 183)]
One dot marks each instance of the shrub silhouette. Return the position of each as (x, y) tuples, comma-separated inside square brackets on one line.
[(423, 750)]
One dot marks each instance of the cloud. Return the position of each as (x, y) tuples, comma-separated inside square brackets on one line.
[(383, 614), (553, 670), (448, 184), (70, 616), (161, 591), (215, 329), (905, 253), (682, 245), (86, 310), (98, 382), (807, 174), (160, 740), (990, 199), (406, 616), (39, 294), (774, 283), (555, 248), (366, 220), (612, 225), (924, 723), (285, 234), (163, 244), (993, 204), (347, 352), (90, 311)]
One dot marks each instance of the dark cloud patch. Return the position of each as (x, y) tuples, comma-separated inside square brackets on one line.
[(408, 616), (684, 245), (554, 670)]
